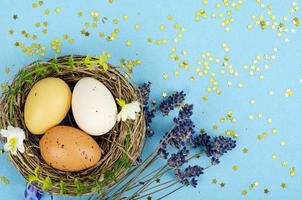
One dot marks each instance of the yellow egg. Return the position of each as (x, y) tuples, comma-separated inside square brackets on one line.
[(69, 149), (46, 105)]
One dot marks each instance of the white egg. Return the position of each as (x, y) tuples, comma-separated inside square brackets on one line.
[(93, 106)]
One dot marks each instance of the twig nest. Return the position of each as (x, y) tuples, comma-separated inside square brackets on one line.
[(117, 150)]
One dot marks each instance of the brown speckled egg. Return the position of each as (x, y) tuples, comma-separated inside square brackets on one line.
[(69, 149)]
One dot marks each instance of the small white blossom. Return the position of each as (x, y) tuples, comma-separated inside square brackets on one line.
[(15, 138), (128, 111)]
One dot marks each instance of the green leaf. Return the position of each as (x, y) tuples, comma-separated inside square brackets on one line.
[(79, 186), (37, 171), (127, 142), (47, 183), (71, 62), (110, 176), (32, 178), (62, 187)]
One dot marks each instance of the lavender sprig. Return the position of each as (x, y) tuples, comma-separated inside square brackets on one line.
[(189, 175), (172, 102), (149, 113), (174, 148)]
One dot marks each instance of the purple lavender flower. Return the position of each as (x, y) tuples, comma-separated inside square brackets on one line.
[(193, 182), (145, 92), (219, 146), (149, 114), (176, 160), (162, 151), (201, 140), (172, 102), (189, 175), (215, 161), (194, 171), (184, 128)]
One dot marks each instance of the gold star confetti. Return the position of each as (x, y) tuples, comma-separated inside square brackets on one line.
[(3, 87), (214, 181), (274, 156), (266, 191), (128, 43), (274, 131), (296, 21), (57, 10), (7, 70), (288, 92), (282, 143), (165, 76), (164, 94), (244, 192), (245, 150), (270, 93), (253, 101), (292, 171), (222, 185), (283, 163), (235, 168), (283, 185)]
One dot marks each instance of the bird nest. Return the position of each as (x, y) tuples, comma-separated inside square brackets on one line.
[(121, 146)]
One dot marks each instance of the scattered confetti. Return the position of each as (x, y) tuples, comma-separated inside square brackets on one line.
[(292, 171)]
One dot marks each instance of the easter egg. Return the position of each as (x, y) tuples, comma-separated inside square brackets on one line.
[(46, 105), (69, 149), (93, 106)]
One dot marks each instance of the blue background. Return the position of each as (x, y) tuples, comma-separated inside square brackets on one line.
[(285, 71)]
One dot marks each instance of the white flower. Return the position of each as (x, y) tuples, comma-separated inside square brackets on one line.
[(14, 137), (128, 110)]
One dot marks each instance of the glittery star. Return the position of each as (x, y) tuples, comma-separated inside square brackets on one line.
[(15, 17), (245, 150), (292, 171), (283, 185), (266, 191), (214, 181), (222, 185)]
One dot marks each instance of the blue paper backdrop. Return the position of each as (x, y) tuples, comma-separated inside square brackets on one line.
[(260, 83)]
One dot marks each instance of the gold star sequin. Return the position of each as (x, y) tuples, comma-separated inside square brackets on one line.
[(3, 87), (165, 76), (244, 192), (274, 156), (214, 181), (292, 171), (235, 168), (283, 163), (288, 92), (283, 185), (266, 191), (245, 150), (222, 185)]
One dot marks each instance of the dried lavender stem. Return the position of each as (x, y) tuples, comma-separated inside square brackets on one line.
[(159, 190), (170, 192)]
